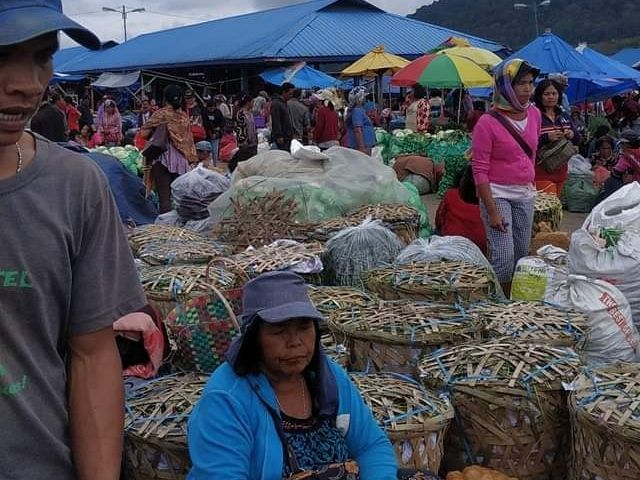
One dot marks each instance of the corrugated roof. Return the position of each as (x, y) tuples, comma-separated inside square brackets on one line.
[(628, 56), (320, 30)]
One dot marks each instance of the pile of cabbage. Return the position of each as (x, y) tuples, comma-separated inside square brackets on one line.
[(129, 156)]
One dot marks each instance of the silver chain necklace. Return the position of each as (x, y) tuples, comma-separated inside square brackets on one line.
[(19, 151), (303, 397)]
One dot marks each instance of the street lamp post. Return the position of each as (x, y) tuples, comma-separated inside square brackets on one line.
[(535, 5), (124, 12)]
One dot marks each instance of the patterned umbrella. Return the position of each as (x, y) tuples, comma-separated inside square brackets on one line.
[(442, 70), (483, 57)]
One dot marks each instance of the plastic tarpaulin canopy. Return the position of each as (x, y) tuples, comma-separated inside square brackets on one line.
[(551, 54), (612, 68), (304, 77), (116, 80), (596, 89)]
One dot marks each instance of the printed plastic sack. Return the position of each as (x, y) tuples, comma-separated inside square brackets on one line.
[(536, 280), (612, 335), (619, 210), (618, 265)]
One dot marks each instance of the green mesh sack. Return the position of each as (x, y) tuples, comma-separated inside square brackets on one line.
[(579, 195), (453, 168), (416, 202)]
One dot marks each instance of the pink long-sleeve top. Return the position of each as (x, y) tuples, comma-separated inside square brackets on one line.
[(497, 156)]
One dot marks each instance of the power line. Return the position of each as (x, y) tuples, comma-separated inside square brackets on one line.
[(177, 16), (82, 13)]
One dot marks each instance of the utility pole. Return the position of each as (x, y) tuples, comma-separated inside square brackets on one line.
[(124, 12), (534, 5)]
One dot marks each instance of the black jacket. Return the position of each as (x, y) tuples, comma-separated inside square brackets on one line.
[(280, 120)]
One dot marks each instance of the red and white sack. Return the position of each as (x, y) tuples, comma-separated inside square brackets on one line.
[(612, 336)]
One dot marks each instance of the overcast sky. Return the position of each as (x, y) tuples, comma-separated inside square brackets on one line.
[(163, 14)]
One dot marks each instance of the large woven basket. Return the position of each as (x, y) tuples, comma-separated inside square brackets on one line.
[(415, 420), (533, 322), (156, 427), (329, 299), (448, 282), (511, 412), (547, 208), (401, 219), (335, 349), (270, 258), (391, 336), (168, 285), (201, 330), (605, 417), (177, 252), (145, 234)]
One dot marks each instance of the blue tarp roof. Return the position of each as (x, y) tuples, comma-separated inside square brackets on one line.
[(67, 56), (306, 77), (628, 56), (319, 30)]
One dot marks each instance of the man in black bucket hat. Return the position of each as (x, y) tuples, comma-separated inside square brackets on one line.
[(66, 274)]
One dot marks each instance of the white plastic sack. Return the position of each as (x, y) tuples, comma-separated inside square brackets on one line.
[(450, 248), (170, 218), (612, 335), (578, 165), (556, 256), (309, 152), (537, 280), (619, 210), (618, 265), (200, 183)]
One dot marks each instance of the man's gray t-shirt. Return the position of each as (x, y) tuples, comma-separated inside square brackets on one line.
[(65, 269)]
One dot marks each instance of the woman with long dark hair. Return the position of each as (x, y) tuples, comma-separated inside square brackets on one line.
[(556, 125)]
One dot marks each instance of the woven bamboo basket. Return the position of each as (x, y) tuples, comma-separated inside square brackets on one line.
[(447, 282), (144, 234), (201, 330), (335, 349), (605, 417), (178, 252), (547, 208), (415, 420), (260, 221), (391, 336), (329, 299), (156, 427), (533, 322), (168, 285), (511, 412), (270, 258), (401, 219)]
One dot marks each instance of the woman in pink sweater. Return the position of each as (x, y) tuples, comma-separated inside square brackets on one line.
[(503, 167)]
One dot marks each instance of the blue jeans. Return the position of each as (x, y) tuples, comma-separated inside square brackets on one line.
[(215, 148)]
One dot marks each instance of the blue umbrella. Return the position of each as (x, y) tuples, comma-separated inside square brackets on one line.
[(301, 77), (612, 68)]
